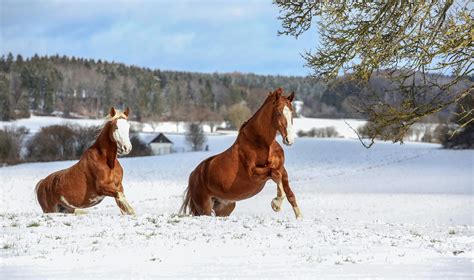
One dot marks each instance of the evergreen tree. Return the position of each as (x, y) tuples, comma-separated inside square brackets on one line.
[(5, 103), (8, 62), (107, 97)]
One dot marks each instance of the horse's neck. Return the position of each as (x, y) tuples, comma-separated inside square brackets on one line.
[(105, 146), (259, 129)]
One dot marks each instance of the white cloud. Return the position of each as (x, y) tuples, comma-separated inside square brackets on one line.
[(182, 35)]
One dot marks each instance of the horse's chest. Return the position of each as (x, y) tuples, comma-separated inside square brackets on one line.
[(114, 175)]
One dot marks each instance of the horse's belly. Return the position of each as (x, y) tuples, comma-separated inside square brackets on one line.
[(243, 190), (79, 201)]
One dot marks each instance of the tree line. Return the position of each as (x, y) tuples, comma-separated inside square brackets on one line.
[(71, 86)]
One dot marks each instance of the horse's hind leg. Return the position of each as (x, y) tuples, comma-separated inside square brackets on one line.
[(223, 208), (290, 195), (44, 199), (202, 204)]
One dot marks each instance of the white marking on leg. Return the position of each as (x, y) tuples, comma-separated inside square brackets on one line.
[(276, 202), (96, 200), (282, 191), (80, 212), (297, 212), (63, 200), (124, 202)]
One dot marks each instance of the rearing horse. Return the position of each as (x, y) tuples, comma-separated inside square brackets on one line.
[(97, 174), (242, 170)]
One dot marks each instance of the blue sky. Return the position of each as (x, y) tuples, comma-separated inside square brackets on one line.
[(203, 36)]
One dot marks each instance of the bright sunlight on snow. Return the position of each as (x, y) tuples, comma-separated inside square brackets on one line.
[(393, 210)]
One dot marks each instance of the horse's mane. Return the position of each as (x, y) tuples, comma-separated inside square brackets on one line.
[(269, 97), (118, 115), (98, 128)]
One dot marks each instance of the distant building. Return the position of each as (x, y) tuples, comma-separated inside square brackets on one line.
[(161, 145), (298, 105)]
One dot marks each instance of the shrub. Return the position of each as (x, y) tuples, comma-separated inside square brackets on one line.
[(139, 148), (56, 142), (84, 138), (324, 132), (301, 133), (238, 114), (441, 133), (464, 139), (195, 137), (10, 144)]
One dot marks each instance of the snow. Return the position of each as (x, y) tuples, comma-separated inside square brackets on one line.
[(397, 211), (342, 126), (35, 123)]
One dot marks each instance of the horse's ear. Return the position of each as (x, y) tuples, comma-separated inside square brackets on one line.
[(126, 112), (112, 112), (278, 93), (291, 97)]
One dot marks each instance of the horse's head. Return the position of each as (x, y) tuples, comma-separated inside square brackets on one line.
[(119, 133), (282, 119)]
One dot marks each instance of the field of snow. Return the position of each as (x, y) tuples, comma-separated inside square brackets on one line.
[(398, 211)]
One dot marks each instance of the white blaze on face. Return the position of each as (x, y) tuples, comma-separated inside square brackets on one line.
[(289, 125), (121, 136)]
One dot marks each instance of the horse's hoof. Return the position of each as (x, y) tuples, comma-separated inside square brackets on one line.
[(276, 205), (80, 212), (298, 213)]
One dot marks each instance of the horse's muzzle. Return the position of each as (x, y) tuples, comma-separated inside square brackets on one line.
[(287, 141), (124, 150)]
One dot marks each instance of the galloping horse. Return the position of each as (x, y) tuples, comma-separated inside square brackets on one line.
[(243, 169), (97, 174)]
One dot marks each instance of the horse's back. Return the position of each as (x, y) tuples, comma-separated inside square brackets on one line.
[(52, 181), (60, 181)]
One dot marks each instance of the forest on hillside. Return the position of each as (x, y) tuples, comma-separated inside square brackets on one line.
[(71, 86)]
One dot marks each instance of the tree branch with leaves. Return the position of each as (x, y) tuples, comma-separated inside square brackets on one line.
[(408, 42)]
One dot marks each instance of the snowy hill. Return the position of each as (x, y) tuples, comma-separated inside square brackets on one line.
[(401, 211)]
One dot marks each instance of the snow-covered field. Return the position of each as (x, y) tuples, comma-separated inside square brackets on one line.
[(403, 211)]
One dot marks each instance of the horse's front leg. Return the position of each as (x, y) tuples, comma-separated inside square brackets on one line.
[(282, 190), (122, 203), (111, 189)]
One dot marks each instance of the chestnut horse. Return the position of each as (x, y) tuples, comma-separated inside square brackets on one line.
[(243, 169), (97, 174)]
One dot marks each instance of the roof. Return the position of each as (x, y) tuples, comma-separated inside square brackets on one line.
[(161, 138)]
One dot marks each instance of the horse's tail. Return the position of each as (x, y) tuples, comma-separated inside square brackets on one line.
[(39, 193), (186, 206), (189, 205)]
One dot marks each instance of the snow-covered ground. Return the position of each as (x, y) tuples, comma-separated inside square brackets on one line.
[(393, 211)]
